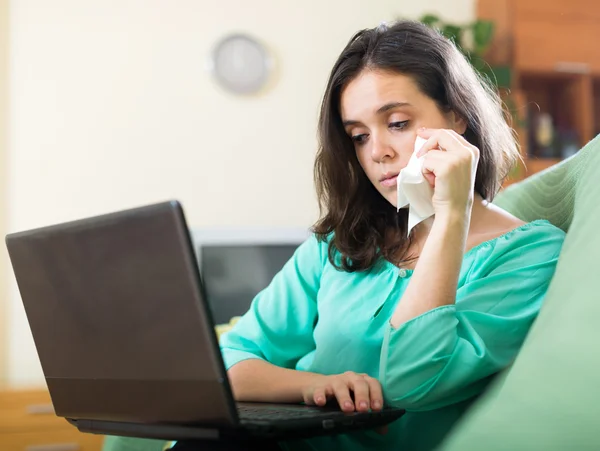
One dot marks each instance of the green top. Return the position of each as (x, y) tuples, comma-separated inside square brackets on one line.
[(313, 317)]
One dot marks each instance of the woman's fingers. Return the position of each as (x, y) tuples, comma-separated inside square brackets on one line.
[(342, 394), (320, 396), (432, 165), (375, 393), (352, 391), (360, 387), (447, 140)]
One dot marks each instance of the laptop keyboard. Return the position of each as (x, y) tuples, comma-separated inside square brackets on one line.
[(277, 412)]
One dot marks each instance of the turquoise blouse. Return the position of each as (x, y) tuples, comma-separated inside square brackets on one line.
[(313, 317)]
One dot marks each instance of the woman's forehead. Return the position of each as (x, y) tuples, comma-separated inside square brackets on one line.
[(372, 91)]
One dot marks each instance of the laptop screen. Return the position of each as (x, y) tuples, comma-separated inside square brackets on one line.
[(234, 274)]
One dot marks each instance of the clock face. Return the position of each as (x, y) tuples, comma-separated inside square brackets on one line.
[(241, 64)]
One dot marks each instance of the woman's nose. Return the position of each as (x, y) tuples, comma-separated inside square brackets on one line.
[(381, 149)]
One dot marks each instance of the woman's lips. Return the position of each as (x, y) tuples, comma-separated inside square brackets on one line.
[(390, 181)]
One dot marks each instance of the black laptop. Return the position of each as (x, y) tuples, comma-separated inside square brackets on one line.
[(126, 339)]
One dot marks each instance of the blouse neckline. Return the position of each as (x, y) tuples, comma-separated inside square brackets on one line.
[(408, 272)]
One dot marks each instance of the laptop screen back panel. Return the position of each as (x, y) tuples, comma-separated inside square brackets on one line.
[(119, 321)]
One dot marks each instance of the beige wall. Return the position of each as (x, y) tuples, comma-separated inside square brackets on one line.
[(112, 107), (3, 189)]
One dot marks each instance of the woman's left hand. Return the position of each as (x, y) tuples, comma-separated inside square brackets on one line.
[(450, 166)]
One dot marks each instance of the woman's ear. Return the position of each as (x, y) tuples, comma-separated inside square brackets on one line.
[(459, 123)]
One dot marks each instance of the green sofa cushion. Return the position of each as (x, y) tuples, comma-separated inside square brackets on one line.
[(550, 398), (550, 194)]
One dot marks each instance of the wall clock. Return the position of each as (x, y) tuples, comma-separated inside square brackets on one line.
[(241, 64)]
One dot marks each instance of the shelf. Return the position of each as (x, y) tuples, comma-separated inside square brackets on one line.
[(559, 113)]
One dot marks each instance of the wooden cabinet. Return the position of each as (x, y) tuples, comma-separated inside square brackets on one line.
[(556, 36), (552, 48), (28, 423), (544, 44), (548, 9)]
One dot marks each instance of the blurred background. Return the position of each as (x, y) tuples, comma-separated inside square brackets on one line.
[(110, 104)]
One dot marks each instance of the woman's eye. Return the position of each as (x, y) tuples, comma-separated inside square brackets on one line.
[(398, 125), (359, 139)]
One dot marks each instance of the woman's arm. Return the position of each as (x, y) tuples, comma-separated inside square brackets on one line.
[(255, 380), (452, 172), (445, 355), (260, 381), (435, 279), (265, 345)]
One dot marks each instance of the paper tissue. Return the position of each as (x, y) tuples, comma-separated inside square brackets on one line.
[(414, 190)]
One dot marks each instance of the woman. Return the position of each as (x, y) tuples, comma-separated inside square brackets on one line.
[(364, 314)]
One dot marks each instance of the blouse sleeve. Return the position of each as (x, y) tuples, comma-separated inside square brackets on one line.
[(278, 327), (446, 355)]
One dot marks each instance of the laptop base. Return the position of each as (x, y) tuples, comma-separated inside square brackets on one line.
[(330, 423)]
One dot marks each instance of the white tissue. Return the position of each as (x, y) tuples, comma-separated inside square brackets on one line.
[(414, 189)]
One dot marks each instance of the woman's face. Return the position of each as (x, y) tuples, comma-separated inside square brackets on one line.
[(382, 112)]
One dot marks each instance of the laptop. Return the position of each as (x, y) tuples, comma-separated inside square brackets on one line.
[(126, 339)]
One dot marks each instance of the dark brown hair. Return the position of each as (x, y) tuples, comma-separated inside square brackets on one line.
[(363, 226)]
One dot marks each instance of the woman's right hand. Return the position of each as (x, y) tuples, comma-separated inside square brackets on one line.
[(366, 390)]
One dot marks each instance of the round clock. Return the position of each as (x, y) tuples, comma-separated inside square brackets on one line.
[(241, 64)]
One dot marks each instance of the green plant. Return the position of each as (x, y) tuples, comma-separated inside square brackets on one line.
[(473, 40)]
